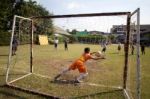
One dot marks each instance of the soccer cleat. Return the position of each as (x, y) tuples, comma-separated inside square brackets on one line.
[(78, 81), (56, 78)]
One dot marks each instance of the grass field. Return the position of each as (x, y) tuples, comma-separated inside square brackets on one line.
[(48, 62)]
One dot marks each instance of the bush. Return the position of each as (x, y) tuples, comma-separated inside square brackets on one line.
[(5, 38), (24, 39)]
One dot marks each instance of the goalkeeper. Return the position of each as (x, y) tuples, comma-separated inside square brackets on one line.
[(79, 64)]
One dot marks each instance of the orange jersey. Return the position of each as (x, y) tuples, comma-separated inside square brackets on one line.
[(85, 57), (79, 63)]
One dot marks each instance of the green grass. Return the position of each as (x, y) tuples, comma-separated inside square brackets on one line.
[(48, 62)]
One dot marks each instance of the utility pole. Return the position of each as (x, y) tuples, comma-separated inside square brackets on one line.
[(9, 23)]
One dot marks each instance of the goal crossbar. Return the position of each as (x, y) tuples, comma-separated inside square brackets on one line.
[(82, 15)]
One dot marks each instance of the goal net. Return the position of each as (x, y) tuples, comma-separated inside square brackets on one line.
[(82, 32), (133, 81), (20, 48), (33, 67)]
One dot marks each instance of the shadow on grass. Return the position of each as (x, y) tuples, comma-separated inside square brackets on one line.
[(9, 93), (2, 75), (61, 81), (98, 94), (4, 55)]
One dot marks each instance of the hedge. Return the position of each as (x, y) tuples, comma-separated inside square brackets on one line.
[(5, 38)]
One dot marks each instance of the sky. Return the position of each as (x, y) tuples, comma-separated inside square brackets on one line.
[(59, 7)]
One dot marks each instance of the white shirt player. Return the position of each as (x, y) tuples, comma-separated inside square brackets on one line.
[(56, 41)]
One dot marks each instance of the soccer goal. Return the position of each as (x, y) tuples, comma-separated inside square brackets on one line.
[(133, 81), (34, 72), (21, 35)]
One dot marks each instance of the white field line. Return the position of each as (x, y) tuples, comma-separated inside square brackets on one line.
[(100, 85)]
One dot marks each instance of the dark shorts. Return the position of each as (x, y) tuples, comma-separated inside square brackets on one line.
[(66, 46), (14, 47), (55, 45), (104, 49), (119, 48)]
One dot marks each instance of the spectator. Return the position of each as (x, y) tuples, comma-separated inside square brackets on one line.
[(56, 42), (66, 44), (104, 48), (143, 49), (119, 47), (132, 49), (14, 45)]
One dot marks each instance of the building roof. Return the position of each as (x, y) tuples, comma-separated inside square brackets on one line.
[(96, 32), (58, 30), (143, 28), (81, 33)]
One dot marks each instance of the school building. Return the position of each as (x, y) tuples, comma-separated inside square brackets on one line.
[(120, 30)]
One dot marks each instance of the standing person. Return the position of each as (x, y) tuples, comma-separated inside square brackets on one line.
[(14, 45), (79, 64), (143, 49), (119, 47), (56, 42), (66, 44), (104, 48), (132, 49)]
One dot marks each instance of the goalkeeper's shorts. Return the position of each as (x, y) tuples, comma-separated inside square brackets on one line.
[(78, 65)]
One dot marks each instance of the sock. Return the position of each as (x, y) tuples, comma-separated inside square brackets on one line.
[(63, 72), (82, 76)]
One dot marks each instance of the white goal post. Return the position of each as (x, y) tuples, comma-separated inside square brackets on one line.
[(125, 73), (10, 48)]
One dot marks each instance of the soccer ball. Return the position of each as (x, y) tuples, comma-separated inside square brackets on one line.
[(98, 54)]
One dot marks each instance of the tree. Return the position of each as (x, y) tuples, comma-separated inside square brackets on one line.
[(27, 9), (74, 31), (111, 37), (23, 8)]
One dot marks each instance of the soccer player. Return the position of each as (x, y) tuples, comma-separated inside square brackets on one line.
[(79, 64), (56, 42), (119, 47), (104, 48), (143, 49), (132, 49), (66, 44)]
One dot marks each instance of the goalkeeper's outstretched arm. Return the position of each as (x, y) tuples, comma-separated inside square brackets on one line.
[(93, 53), (97, 58)]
